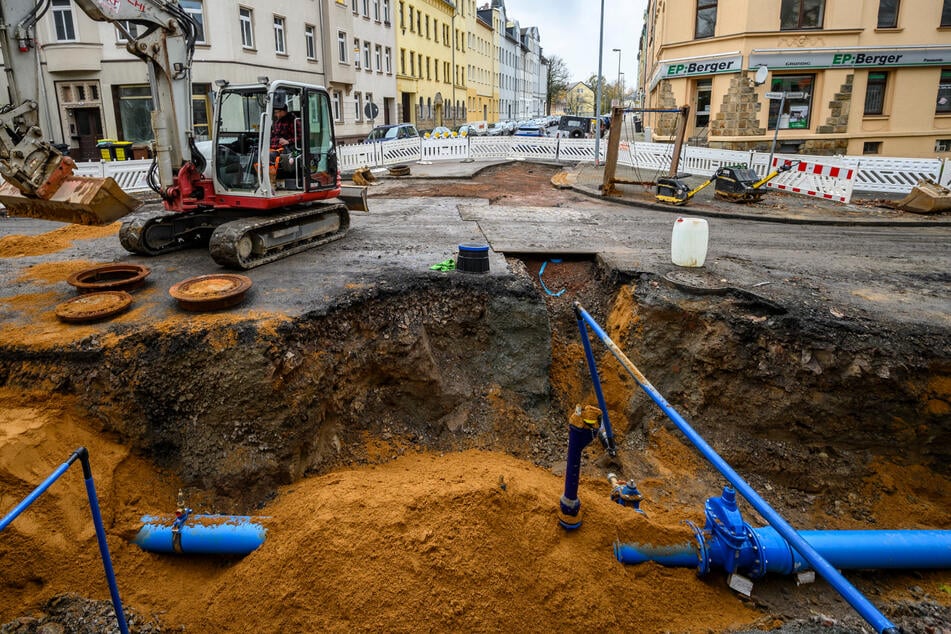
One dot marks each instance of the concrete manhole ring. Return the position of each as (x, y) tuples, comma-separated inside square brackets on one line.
[(109, 277), (210, 292), (399, 170), (93, 306), (696, 282)]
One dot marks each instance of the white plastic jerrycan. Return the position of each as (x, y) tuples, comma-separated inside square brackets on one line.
[(688, 245)]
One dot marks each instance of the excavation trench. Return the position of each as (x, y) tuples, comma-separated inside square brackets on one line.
[(837, 429), (405, 443)]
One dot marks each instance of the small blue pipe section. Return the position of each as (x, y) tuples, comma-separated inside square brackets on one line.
[(201, 534), (607, 432), (570, 505), (848, 592), (81, 454)]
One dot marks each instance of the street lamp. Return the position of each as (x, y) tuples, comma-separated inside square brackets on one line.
[(618, 51)]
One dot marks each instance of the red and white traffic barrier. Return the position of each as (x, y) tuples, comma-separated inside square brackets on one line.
[(819, 180)]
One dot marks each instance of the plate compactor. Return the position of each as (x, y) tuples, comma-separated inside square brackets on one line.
[(736, 184)]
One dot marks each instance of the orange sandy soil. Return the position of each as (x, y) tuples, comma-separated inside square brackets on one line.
[(462, 541)]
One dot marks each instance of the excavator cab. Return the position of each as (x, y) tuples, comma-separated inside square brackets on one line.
[(274, 140)]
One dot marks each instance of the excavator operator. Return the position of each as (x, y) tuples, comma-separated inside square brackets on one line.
[(282, 129)]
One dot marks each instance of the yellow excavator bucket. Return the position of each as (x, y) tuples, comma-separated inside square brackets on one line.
[(80, 200)]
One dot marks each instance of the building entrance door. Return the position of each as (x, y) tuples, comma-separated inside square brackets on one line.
[(88, 132)]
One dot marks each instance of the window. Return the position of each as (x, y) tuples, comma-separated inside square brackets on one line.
[(342, 47), (123, 27), (875, 93), (134, 115), (310, 41), (942, 145), (706, 18), (704, 94), (355, 6), (194, 9), (872, 147), (387, 63), (247, 27), (796, 111), (356, 53), (63, 23), (280, 45), (946, 13), (378, 58), (943, 105), (376, 10), (888, 14), (366, 8), (337, 105), (357, 106), (366, 56), (801, 14), (386, 11)]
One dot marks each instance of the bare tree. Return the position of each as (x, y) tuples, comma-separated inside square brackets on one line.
[(557, 81)]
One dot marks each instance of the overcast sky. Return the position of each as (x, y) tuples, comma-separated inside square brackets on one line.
[(570, 29)]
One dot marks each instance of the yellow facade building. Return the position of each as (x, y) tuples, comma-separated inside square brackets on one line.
[(481, 66), (431, 62), (822, 76)]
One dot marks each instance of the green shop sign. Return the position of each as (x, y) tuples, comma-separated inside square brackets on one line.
[(851, 58)]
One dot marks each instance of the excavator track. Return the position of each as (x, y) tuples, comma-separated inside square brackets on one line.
[(158, 232), (250, 242)]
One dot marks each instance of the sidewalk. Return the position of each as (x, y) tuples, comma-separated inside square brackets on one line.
[(776, 206)]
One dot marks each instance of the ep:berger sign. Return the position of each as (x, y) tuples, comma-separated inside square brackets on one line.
[(856, 59), (704, 67)]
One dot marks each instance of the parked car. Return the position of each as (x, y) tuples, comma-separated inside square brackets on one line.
[(574, 127), (392, 132), (439, 132), (498, 129), (530, 129)]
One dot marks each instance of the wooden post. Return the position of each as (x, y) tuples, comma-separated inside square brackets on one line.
[(610, 161), (679, 141)]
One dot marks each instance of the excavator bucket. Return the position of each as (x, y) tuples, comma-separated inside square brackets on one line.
[(79, 200), (926, 197)]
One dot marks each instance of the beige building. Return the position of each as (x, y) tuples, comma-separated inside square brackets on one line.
[(577, 100), (823, 76)]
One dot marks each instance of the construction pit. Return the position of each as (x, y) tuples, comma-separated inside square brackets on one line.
[(401, 431)]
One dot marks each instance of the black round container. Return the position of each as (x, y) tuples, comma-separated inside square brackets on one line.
[(473, 258)]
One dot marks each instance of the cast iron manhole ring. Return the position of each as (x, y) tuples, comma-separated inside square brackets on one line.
[(700, 283), (210, 292), (109, 277), (93, 306)]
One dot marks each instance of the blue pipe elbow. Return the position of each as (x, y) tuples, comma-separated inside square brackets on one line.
[(201, 535)]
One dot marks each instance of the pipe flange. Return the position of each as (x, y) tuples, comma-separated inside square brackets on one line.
[(703, 554)]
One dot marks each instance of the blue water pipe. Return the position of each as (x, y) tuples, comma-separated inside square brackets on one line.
[(728, 543), (193, 534), (582, 429), (606, 433), (542, 282), (81, 454), (841, 585)]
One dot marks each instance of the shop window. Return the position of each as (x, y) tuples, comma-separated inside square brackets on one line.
[(875, 93), (706, 18), (797, 110), (872, 147), (801, 14), (135, 112), (704, 95), (888, 14), (943, 105)]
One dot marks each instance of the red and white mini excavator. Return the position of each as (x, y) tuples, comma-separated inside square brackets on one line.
[(249, 203)]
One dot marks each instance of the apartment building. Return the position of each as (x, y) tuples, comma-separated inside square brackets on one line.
[(822, 76), (430, 62), (431, 77), (358, 40)]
